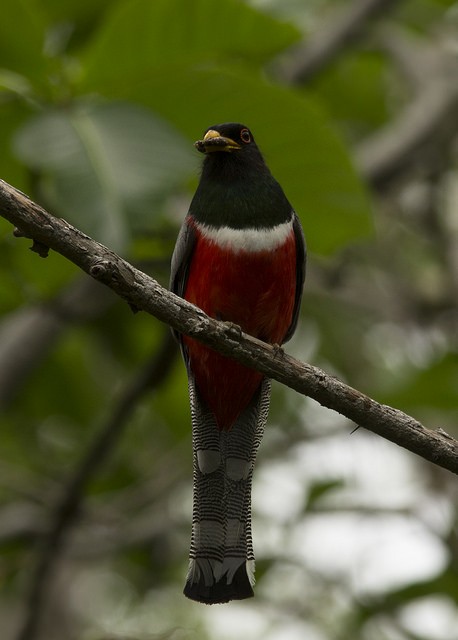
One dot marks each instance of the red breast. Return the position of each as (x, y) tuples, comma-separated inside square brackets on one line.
[(252, 288)]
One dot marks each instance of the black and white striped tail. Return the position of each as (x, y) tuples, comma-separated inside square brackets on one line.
[(221, 566)]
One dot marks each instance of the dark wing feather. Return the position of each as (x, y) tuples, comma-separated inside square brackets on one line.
[(301, 255), (181, 259)]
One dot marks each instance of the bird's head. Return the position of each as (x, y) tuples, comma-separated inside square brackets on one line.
[(236, 187), (231, 152), (230, 137)]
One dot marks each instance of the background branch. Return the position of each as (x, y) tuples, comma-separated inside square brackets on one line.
[(317, 52), (27, 334), (143, 292), (430, 118)]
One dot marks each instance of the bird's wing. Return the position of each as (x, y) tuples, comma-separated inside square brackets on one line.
[(181, 260), (301, 256)]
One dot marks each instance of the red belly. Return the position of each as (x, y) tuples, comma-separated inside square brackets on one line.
[(254, 290)]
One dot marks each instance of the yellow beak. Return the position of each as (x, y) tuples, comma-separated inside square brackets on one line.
[(214, 141)]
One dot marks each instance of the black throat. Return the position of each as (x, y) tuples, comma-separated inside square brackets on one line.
[(237, 190)]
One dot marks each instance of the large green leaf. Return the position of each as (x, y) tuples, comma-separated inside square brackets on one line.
[(353, 89), (141, 34), (302, 149), (73, 20), (182, 59), (22, 35), (102, 163)]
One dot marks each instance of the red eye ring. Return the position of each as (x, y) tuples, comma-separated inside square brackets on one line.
[(245, 136)]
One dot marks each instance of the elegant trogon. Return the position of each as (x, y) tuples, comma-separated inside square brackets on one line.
[(240, 256)]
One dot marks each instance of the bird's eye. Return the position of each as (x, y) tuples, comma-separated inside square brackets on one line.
[(245, 136)]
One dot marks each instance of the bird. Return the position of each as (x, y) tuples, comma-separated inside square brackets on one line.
[(240, 256)]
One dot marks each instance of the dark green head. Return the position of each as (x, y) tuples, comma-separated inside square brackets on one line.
[(236, 187), (228, 137)]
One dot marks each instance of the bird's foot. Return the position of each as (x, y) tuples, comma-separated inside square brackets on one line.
[(278, 350), (233, 329)]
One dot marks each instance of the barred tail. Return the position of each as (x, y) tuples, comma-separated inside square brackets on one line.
[(221, 564)]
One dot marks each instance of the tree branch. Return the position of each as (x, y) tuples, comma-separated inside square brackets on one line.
[(142, 292), (430, 116), (316, 52)]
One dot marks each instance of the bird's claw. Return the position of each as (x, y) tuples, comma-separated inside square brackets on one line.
[(278, 350), (233, 328)]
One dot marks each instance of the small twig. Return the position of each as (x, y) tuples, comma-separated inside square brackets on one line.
[(315, 53), (67, 510), (431, 111), (394, 147), (145, 293)]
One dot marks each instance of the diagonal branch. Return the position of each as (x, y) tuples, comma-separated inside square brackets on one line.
[(430, 116), (144, 293)]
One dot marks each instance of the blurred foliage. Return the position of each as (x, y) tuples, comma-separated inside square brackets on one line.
[(99, 106)]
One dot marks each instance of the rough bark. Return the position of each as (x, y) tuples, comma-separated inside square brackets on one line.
[(143, 292)]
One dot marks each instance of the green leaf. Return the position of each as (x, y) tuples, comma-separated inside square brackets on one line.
[(422, 14), (22, 34), (141, 34), (73, 20), (303, 151), (102, 165), (25, 278), (321, 489), (435, 386), (353, 89), (187, 87)]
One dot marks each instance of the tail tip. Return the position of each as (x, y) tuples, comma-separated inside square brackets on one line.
[(222, 590)]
